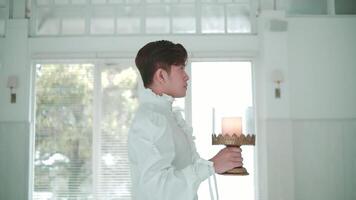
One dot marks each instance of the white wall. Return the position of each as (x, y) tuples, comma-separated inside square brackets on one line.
[(14, 154), (274, 122), (14, 118), (325, 159), (15, 62), (308, 131), (321, 58)]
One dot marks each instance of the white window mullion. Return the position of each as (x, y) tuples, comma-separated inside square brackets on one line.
[(253, 13), (31, 172), (143, 7), (115, 19), (33, 18), (331, 7), (225, 19), (198, 16), (97, 102), (60, 28), (188, 98), (170, 18), (89, 14)]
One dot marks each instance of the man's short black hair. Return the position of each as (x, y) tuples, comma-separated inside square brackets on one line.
[(159, 54)]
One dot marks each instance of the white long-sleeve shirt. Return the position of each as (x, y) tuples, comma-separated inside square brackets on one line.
[(163, 159)]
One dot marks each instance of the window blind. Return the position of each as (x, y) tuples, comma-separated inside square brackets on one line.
[(63, 153), (119, 101)]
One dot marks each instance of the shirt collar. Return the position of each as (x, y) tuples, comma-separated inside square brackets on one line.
[(146, 95)]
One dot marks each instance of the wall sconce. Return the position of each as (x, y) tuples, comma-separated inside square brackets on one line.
[(12, 83), (277, 78)]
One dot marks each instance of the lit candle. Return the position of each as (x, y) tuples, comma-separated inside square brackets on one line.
[(231, 125)]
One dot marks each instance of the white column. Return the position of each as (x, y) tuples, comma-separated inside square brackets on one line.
[(18, 9)]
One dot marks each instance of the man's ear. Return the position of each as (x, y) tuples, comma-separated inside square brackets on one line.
[(161, 75)]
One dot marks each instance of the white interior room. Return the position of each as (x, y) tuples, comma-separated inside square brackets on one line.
[(302, 60)]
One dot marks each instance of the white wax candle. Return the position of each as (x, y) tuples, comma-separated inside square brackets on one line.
[(231, 125)]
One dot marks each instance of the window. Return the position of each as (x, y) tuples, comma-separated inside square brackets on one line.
[(322, 7), (83, 112), (227, 87), (120, 17), (82, 117), (306, 7), (63, 139), (345, 7), (4, 15)]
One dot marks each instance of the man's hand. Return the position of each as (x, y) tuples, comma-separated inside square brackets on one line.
[(227, 158)]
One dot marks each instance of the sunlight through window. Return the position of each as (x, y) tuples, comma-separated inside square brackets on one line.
[(226, 87)]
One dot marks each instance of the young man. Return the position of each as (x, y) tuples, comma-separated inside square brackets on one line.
[(163, 159)]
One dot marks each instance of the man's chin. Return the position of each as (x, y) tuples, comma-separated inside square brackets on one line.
[(180, 95)]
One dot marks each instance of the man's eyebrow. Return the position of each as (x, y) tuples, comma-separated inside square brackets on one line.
[(180, 65)]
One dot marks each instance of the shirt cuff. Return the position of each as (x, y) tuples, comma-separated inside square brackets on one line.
[(204, 169)]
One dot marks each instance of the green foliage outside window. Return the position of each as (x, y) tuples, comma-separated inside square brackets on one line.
[(64, 153)]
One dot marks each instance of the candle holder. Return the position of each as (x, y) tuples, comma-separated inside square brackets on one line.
[(234, 141)]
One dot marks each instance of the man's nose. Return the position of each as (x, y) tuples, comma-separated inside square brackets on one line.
[(186, 76)]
